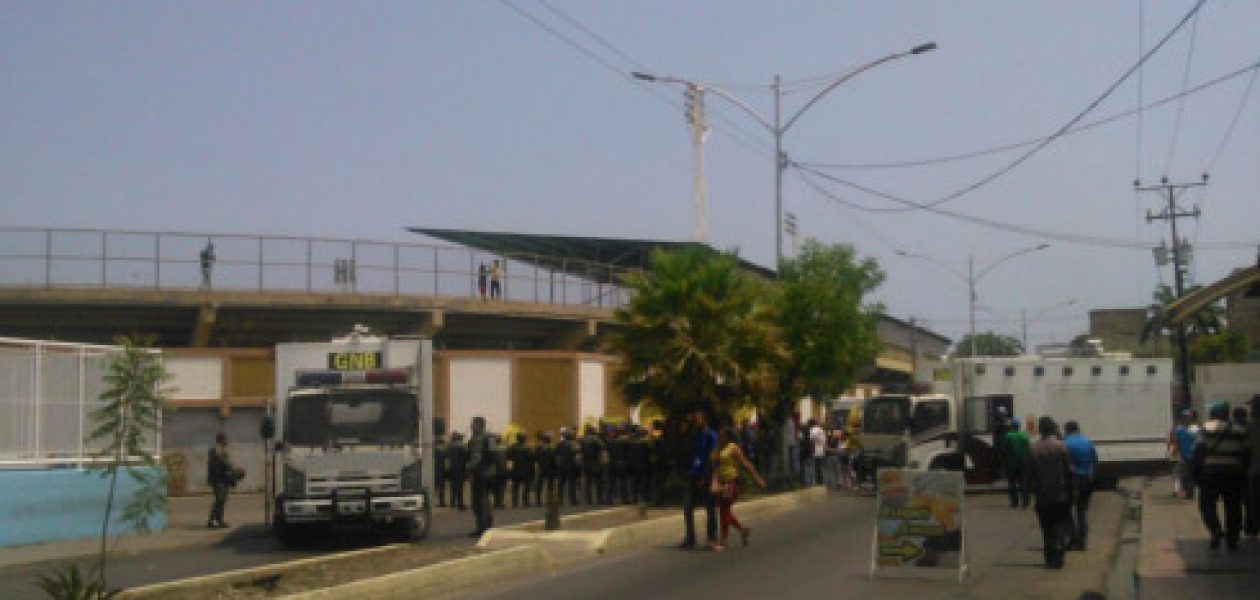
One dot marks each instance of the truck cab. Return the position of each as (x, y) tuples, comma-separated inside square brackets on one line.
[(911, 431), (350, 445)]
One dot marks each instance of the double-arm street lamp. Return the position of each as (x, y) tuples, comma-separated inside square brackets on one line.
[(777, 127), (972, 278), (1025, 319)]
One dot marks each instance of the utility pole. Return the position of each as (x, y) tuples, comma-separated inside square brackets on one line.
[(693, 96), (1171, 213), (780, 163)]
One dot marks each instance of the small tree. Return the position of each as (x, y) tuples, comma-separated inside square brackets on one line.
[(988, 344), (128, 419)]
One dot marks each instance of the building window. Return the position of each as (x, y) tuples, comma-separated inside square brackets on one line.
[(1010, 371), (1067, 371), (1151, 369), (979, 369), (1124, 370), (1038, 371), (1095, 370)]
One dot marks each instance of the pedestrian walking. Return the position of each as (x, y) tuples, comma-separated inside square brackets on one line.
[(482, 470), (730, 458), (1181, 449), (222, 474), (496, 279), (457, 462), (1084, 460), (590, 447), (1050, 475), (441, 468), (1016, 451), (699, 473), (1219, 464), (483, 274), (521, 459), (207, 263), (817, 443), (545, 455)]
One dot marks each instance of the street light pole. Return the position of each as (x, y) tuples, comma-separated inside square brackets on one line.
[(971, 306), (777, 128)]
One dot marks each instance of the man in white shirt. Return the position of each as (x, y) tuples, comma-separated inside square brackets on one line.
[(818, 440)]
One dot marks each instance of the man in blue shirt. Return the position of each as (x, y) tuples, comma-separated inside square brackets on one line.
[(1084, 458), (704, 442)]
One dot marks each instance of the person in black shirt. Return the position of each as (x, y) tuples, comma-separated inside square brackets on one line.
[(457, 461), (639, 461), (521, 458), (545, 454), (501, 474), (221, 474), (440, 469), (592, 471), (567, 466)]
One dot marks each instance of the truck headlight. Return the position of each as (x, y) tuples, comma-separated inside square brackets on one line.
[(410, 477), (294, 481)]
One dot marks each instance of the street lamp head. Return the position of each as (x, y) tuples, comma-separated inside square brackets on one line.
[(642, 76), (921, 48)]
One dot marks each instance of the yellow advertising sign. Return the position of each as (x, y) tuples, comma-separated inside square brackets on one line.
[(918, 525)]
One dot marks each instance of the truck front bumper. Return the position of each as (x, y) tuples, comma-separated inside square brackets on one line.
[(358, 507)]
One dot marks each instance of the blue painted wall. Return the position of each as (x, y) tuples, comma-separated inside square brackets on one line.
[(61, 504)]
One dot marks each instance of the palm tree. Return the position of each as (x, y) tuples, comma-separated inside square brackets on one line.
[(697, 333)]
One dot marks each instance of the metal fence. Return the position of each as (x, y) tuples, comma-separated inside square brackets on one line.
[(41, 257), (48, 391)]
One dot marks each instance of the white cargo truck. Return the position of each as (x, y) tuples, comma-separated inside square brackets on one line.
[(1122, 404), (352, 430)]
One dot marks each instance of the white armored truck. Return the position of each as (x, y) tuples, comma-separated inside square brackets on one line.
[(1122, 404), (351, 432)]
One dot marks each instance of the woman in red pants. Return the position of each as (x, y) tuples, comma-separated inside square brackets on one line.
[(729, 460)]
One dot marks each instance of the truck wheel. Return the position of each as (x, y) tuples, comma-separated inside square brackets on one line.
[(414, 529), (289, 535)]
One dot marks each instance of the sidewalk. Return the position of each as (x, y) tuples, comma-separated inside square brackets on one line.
[(1174, 560), (185, 527)]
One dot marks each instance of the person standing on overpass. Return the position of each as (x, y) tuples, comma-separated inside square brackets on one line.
[(207, 263)]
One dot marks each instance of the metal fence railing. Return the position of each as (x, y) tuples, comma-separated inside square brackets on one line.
[(44, 257), (48, 392)]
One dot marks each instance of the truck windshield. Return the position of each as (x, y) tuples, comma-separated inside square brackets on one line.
[(340, 419), (886, 415)]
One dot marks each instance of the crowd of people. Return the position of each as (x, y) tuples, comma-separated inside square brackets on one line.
[(1220, 460)]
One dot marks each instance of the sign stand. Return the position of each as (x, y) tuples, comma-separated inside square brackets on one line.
[(919, 525)]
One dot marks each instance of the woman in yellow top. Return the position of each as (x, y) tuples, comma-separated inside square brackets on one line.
[(728, 460)]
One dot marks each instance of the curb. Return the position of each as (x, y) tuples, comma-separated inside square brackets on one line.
[(442, 580)]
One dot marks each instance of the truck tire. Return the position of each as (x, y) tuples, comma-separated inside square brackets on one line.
[(414, 529), (290, 536)]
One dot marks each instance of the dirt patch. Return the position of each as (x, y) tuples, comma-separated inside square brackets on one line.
[(291, 579)]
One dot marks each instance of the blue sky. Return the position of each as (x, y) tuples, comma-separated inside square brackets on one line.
[(353, 119)]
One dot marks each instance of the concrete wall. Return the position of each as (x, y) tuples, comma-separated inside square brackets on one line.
[(1232, 383), (479, 386), (61, 504), (187, 435)]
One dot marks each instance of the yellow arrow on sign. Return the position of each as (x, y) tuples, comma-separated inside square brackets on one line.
[(906, 551)]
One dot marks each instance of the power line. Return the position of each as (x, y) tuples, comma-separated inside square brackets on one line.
[(1250, 68), (1181, 106), (804, 173), (736, 134), (1062, 130), (1229, 132)]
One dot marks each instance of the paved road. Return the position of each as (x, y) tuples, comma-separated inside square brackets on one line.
[(823, 551), (248, 546)]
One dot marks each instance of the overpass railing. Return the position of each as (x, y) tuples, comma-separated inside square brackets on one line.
[(69, 257)]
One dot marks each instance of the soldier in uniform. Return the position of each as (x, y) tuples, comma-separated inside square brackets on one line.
[(440, 467), (662, 462), (545, 454), (592, 471), (521, 459), (501, 474), (457, 468), (640, 466), (619, 457), (567, 466), (482, 468)]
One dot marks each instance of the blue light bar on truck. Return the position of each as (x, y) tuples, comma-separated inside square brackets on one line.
[(330, 377)]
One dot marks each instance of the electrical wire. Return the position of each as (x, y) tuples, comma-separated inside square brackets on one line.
[(967, 189), (1251, 68), (805, 173), (1233, 123), (736, 134), (1181, 105)]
